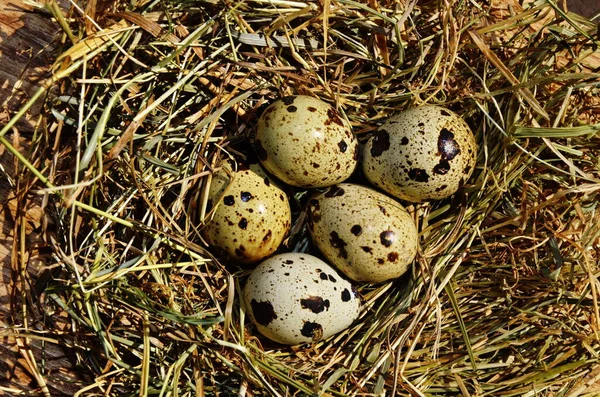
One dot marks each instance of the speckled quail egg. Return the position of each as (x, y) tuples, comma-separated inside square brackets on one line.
[(305, 142), (367, 235), (250, 215), (295, 298), (423, 153)]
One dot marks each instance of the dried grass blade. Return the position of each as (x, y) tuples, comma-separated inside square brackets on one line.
[(493, 58), (461, 322)]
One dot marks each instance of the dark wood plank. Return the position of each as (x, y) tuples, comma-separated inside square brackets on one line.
[(26, 51)]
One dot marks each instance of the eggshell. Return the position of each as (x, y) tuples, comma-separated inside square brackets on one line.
[(295, 298), (305, 142), (424, 153), (250, 215), (365, 234)]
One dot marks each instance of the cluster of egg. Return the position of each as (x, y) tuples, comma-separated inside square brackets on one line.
[(421, 154)]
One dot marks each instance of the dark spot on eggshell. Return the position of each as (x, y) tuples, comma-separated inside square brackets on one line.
[(444, 112), (292, 109), (333, 117), (315, 165), (334, 191), (288, 261), (346, 296), (380, 261), (442, 187), (382, 209), (229, 200), (421, 125), (418, 175), (442, 167), (448, 148), (467, 169), (311, 109), (260, 150), (243, 223), (356, 230), (387, 238), (315, 304), (404, 141), (343, 146), (263, 312), (323, 276), (288, 100), (267, 236), (366, 249), (332, 279), (246, 196), (392, 256), (267, 181), (312, 330), (380, 142), (314, 211), (355, 155), (339, 244)]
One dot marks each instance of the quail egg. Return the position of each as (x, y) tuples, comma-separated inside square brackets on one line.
[(367, 235), (305, 142), (295, 298), (424, 153), (250, 215)]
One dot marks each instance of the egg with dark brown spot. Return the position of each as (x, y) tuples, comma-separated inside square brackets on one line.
[(365, 234), (305, 142), (421, 154), (296, 298), (249, 215)]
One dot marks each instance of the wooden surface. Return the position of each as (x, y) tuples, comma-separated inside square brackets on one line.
[(25, 53)]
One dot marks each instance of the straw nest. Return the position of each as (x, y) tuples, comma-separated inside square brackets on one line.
[(147, 97)]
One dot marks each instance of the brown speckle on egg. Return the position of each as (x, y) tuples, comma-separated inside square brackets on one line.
[(356, 230), (380, 143), (442, 167), (448, 148), (315, 304), (312, 330), (418, 175), (346, 295), (263, 312), (339, 244), (334, 117), (229, 200)]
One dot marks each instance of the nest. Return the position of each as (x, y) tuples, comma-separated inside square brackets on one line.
[(148, 97)]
